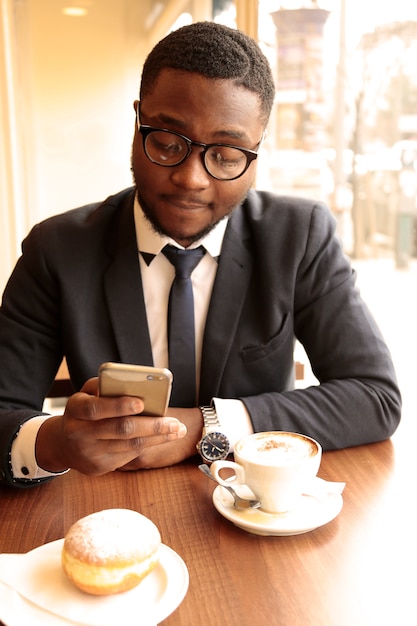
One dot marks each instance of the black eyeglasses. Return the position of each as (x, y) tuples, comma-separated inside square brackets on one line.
[(222, 161)]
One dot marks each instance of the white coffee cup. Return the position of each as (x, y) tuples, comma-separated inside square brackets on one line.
[(277, 466)]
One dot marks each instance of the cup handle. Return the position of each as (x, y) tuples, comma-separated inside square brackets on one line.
[(239, 473)]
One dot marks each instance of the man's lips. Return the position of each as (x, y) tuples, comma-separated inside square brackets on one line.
[(186, 204)]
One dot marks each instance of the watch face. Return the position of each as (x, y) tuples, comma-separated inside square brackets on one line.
[(214, 446)]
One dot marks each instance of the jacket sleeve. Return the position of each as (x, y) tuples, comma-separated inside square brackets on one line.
[(29, 351), (357, 400)]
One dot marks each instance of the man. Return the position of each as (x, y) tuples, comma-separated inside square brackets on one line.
[(93, 285)]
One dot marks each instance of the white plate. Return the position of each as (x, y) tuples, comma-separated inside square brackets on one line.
[(311, 513), (154, 599)]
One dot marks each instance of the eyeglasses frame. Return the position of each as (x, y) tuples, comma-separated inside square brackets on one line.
[(145, 130)]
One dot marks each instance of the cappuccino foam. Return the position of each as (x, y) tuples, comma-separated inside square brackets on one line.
[(279, 448)]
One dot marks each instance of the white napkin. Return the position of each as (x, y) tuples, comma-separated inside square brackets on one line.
[(320, 488), (38, 576)]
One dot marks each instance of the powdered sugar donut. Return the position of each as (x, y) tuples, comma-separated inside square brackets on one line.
[(110, 551)]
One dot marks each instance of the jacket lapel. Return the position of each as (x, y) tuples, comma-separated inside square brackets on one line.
[(229, 292), (123, 290)]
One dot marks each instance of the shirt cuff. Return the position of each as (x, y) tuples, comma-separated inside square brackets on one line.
[(234, 419), (23, 458)]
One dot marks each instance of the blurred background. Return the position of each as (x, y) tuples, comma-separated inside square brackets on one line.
[(343, 127)]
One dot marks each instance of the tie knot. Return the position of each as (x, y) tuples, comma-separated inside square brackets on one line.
[(184, 261)]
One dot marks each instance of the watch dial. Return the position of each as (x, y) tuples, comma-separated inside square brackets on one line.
[(215, 446)]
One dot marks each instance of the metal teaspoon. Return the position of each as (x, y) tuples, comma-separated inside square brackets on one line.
[(239, 503)]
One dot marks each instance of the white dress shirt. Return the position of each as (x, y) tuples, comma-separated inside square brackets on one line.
[(157, 278)]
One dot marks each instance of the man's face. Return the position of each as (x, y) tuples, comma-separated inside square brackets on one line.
[(184, 201)]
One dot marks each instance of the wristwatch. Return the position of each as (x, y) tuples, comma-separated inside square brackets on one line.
[(214, 445)]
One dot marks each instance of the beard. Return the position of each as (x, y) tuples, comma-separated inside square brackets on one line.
[(153, 220)]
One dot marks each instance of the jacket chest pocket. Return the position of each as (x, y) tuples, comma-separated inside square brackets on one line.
[(254, 353)]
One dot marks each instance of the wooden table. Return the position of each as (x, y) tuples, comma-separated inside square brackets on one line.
[(358, 570)]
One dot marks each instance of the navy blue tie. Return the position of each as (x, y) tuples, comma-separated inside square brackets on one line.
[(181, 336)]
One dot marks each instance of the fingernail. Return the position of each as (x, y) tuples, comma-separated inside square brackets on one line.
[(136, 407), (182, 430), (177, 428)]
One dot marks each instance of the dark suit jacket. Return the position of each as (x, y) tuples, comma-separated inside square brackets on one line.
[(76, 291)]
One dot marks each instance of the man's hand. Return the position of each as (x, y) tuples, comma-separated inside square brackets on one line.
[(175, 450), (97, 435)]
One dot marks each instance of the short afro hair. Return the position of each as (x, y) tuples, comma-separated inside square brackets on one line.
[(214, 51)]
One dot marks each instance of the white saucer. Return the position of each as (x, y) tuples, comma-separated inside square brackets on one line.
[(311, 513), (59, 603)]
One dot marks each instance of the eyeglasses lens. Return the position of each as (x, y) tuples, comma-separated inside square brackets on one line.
[(165, 148)]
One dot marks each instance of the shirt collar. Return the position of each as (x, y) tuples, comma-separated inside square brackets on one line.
[(150, 242)]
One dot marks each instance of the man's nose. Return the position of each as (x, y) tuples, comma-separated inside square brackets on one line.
[(191, 173)]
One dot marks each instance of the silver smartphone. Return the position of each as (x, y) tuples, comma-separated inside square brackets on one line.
[(152, 384)]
